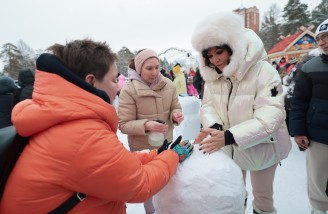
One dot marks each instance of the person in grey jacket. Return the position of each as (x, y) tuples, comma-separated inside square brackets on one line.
[(308, 121), (242, 109)]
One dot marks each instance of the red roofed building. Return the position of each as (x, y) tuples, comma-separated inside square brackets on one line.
[(296, 45)]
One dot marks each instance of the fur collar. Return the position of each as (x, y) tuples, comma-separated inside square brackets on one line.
[(227, 29)]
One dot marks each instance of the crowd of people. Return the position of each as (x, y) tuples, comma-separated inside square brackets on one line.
[(188, 83), (66, 108)]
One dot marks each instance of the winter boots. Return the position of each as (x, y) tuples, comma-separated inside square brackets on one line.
[(258, 211)]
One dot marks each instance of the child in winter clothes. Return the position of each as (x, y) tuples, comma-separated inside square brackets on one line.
[(191, 90), (179, 80)]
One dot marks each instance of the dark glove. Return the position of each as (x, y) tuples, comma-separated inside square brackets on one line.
[(166, 144)]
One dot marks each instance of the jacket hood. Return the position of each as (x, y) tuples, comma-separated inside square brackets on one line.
[(25, 77), (56, 101), (7, 85), (213, 31), (60, 96)]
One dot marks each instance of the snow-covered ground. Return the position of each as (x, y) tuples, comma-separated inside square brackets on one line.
[(290, 190)]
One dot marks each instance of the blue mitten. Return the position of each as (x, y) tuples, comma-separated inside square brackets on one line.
[(183, 151)]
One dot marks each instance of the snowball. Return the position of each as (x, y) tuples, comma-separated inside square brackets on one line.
[(203, 184)]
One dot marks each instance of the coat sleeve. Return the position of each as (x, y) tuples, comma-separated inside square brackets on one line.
[(127, 113), (208, 113), (112, 173), (268, 111), (300, 104), (145, 156)]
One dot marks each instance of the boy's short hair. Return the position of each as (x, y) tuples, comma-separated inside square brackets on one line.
[(85, 57)]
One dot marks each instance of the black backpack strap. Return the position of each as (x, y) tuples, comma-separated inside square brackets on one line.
[(69, 203)]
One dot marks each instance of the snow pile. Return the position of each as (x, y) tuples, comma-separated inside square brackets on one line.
[(190, 126), (203, 184)]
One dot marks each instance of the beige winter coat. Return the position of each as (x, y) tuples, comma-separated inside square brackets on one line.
[(246, 99), (138, 103)]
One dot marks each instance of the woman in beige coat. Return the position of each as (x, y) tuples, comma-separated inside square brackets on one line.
[(243, 107), (148, 97)]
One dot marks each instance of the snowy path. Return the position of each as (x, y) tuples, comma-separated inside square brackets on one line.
[(290, 186)]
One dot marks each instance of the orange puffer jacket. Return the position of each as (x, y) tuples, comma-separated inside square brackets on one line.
[(74, 148)]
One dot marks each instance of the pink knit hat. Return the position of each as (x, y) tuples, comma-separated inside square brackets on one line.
[(142, 57)]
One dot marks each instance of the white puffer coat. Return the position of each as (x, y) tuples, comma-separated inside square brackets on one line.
[(247, 98)]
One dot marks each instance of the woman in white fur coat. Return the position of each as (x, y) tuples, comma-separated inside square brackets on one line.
[(243, 107)]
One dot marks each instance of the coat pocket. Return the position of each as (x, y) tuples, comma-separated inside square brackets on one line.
[(257, 157)]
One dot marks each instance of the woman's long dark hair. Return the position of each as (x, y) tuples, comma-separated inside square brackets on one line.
[(207, 60)]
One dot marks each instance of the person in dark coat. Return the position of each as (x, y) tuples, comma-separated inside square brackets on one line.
[(165, 74), (199, 83), (7, 88), (308, 121), (289, 81), (25, 82)]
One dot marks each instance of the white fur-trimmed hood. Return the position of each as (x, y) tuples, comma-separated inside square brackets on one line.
[(227, 29)]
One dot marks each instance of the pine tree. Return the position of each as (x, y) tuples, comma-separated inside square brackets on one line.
[(28, 55), (124, 55), (11, 58), (295, 15), (319, 13), (270, 30)]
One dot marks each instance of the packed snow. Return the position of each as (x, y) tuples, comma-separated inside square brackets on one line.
[(208, 184)]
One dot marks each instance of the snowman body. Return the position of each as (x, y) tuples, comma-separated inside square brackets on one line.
[(203, 183)]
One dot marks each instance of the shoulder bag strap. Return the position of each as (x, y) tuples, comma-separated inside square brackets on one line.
[(69, 203)]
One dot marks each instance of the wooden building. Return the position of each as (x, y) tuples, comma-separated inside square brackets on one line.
[(296, 45)]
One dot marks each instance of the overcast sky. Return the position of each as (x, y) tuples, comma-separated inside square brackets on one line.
[(136, 24)]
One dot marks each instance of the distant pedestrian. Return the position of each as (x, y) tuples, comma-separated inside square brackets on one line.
[(7, 89), (282, 62), (120, 82), (291, 65), (179, 80), (199, 83), (191, 90), (275, 65), (165, 74), (26, 83)]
